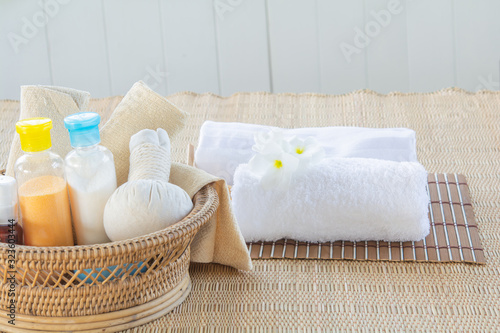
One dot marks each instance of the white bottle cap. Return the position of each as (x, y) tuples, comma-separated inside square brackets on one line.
[(8, 199)]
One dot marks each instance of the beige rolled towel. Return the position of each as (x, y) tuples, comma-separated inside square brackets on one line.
[(54, 103)]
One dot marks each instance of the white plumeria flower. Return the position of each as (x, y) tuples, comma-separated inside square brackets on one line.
[(275, 168), (308, 151), (277, 160)]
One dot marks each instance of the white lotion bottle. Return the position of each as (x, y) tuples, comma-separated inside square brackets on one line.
[(91, 176)]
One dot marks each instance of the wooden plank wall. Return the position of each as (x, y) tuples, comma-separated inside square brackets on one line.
[(225, 46)]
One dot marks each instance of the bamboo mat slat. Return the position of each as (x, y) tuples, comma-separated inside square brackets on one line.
[(457, 132), (453, 234)]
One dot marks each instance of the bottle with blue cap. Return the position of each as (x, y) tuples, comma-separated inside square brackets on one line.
[(91, 175)]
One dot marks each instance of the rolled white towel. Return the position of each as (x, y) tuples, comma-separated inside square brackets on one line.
[(352, 199), (224, 146)]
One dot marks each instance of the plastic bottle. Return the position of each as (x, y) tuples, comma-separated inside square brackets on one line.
[(42, 190), (10, 230), (90, 169)]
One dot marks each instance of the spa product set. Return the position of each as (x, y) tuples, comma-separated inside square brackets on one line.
[(305, 184), (57, 196)]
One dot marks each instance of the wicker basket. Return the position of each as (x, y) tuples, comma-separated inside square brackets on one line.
[(104, 287)]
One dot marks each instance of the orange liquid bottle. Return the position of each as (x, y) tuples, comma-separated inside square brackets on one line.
[(42, 188)]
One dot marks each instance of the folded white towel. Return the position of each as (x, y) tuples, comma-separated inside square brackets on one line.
[(224, 146), (352, 199)]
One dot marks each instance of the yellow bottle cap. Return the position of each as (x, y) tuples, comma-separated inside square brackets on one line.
[(34, 134)]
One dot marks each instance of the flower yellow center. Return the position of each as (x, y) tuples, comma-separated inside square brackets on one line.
[(278, 164), (299, 150)]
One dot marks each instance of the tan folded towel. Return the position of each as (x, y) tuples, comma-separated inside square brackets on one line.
[(220, 240)]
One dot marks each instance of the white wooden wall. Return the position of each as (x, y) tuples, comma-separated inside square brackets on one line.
[(224, 46)]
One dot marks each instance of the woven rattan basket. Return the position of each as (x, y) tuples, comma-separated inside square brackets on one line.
[(105, 287)]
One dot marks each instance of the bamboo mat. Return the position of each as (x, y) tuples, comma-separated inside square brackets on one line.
[(457, 132), (453, 234)]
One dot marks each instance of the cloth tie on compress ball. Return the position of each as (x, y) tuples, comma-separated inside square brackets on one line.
[(149, 156)]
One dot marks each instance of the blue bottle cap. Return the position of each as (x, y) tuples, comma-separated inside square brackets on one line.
[(83, 129)]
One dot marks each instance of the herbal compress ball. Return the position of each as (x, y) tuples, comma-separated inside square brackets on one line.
[(147, 202)]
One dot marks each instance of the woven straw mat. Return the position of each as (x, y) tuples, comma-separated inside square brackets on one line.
[(457, 132)]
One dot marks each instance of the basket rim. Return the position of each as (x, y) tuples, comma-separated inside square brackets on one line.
[(206, 202)]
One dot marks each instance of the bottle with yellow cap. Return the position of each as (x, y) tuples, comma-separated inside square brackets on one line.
[(42, 188)]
